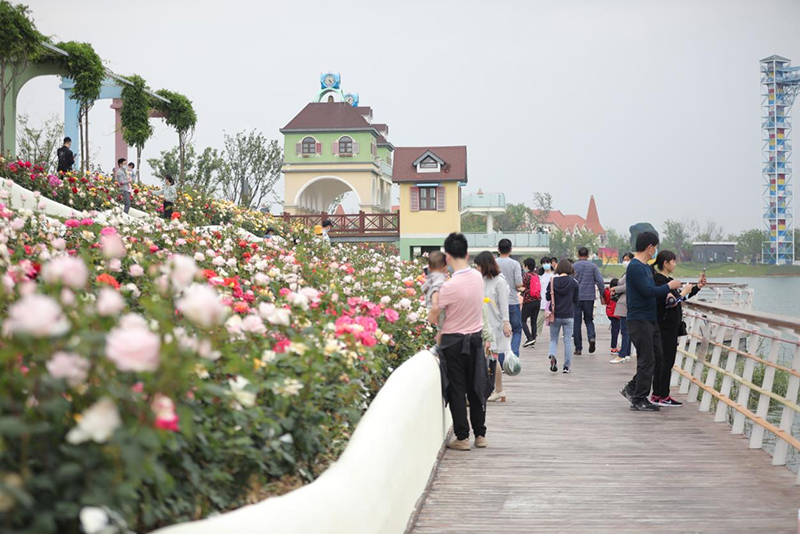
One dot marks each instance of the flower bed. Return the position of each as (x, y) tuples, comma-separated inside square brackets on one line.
[(153, 373)]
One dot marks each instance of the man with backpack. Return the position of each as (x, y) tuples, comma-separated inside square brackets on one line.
[(66, 158), (531, 301)]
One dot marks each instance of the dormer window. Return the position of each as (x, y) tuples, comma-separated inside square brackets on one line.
[(428, 162)]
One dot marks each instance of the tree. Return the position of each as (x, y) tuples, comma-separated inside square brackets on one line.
[(619, 241), (335, 202), (473, 223), (711, 232), (179, 114), (514, 219), (677, 237), (252, 168), (135, 115), (585, 238), (561, 244), (750, 243), (544, 205), (19, 41), (39, 145), (202, 172)]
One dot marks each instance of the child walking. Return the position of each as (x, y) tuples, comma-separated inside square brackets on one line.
[(436, 276), (611, 311)]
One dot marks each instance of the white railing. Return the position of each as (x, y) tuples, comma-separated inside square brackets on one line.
[(745, 366), (376, 483)]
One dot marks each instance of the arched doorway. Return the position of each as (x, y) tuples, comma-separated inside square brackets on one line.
[(319, 194)]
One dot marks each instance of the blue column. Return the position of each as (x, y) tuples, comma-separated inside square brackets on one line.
[(71, 111)]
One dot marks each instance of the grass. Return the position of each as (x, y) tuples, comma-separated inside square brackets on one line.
[(719, 270)]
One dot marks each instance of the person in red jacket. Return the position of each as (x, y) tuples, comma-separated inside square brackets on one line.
[(611, 307)]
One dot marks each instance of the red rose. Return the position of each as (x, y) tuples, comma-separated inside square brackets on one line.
[(153, 249), (74, 190)]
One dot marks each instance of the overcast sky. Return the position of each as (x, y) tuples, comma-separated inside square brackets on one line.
[(653, 107)]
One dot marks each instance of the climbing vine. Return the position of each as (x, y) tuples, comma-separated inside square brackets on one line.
[(135, 115), (179, 114)]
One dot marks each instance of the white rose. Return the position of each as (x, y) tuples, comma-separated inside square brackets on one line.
[(242, 396), (97, 423)]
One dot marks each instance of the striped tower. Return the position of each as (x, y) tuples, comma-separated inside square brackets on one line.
[(780, 83)]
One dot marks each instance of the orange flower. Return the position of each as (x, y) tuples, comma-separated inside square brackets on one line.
[(106, 278)]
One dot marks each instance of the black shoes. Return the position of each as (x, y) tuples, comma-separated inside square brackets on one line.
[(576, 352), (592, 346), (624, 393), (530, 343), (553, 366), (567, 370), (644, 406)]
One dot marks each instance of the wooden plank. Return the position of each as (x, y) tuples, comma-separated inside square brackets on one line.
[(567, 455)]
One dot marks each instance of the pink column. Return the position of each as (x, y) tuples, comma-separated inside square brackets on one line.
[(120, 148)]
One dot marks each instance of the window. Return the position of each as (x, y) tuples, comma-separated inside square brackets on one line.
[(427, 199), (345, 145), (309, 146), (429, 163)]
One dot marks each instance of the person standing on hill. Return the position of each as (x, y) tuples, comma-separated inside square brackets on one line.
[(512, 272), (643, 294), (462, 344), (66, 158), (588, 276), (124, 183)]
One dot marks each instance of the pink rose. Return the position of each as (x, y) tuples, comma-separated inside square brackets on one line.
[(37, 316), (391, 315), (71, 367), (368, 340), (72, 223), (87, 222), (71, 272), (133, 349), (108, 230), (136, 270), (109, 303), (164, 409), (112, 246)]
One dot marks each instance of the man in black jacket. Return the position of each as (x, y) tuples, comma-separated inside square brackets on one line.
[(66, 159)]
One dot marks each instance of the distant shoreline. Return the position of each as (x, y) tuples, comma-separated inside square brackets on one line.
[(728, 270)]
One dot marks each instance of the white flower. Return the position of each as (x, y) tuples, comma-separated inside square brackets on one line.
[(71, 367), (253, 324), (386, 300), (218, 261), (133, 320), (184, 269), (298, 299), (298, 348), (198, 256), (97, 423), (94, 520), (200, 304), (404, 303), (243, 397), (71, 272), (109, 302), (268, 356), (37, 316), (290, 386)]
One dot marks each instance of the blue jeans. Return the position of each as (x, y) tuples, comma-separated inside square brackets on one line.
[(515, 318), (585, 310), (567, 325), (625, 347)]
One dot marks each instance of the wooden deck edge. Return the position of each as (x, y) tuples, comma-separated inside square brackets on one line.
[(412, 521)]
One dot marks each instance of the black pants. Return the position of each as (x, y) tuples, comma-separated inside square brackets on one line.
[(168, 209), (646, 337), (615, 328), (530, 311), (461, 378), (663, 370)]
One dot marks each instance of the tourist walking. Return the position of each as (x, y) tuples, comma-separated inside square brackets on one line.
[(512, 270), (643, 321), (461, 298), (588, 276), (531, 301), (66, 158), (495, 294), (621, 310), (545, 274), (124, 183), (563, 293), (170, 196), (670, 322), (611, 312)]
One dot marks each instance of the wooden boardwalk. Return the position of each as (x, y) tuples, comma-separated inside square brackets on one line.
[(567, 455)]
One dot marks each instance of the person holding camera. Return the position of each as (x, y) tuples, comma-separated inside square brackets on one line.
[(670, 322)]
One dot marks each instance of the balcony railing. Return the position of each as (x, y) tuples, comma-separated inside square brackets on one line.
[(354, 225), (517, 240), (486, 200)]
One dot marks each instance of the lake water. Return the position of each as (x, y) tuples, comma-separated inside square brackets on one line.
[(773, 294)]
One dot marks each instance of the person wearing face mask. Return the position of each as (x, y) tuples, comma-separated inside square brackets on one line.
[(643, 295), (621, 310), (545, 274)]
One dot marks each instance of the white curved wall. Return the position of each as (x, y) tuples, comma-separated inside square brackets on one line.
[(21, 198), (375, 484)]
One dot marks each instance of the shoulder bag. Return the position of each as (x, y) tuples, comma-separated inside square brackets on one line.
[(549, 311)]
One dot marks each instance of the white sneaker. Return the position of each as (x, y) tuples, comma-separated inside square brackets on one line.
[(497, 395), (618, 359), (627, 358)]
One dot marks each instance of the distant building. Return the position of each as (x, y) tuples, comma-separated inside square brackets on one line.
[(430, 180), (713, 251), (574, 223)]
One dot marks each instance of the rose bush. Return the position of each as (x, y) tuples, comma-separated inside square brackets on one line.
[(153, 372)]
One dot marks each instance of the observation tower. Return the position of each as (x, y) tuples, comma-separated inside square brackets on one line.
[(780, 83)]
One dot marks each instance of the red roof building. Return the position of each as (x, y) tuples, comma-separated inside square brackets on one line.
[(409, 167), (573, 223)]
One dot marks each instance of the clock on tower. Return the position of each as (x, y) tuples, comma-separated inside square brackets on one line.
[(329, 81)]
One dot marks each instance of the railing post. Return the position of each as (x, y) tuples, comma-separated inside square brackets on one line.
[(697, 328), (711, 378), (361, 221), (757, 435), (721, 414), (699, 363), (787, 415), (744, 391)]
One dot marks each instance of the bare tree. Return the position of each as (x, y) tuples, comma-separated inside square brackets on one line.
[(252, 168), (543, 204), (39, 145), (711, 232)]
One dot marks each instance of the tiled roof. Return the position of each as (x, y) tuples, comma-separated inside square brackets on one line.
[(593, 219), (328, 116), (455, 168)]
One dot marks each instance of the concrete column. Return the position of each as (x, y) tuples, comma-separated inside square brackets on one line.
[(120, 147), (489, 223), (71, 110)]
